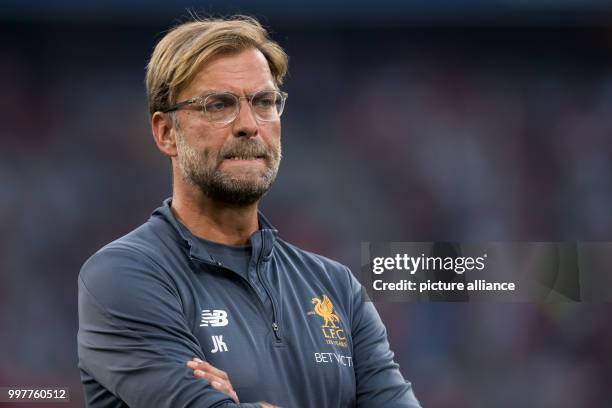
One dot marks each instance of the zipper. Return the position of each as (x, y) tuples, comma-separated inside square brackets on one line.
[(275, 326), (219, 265)]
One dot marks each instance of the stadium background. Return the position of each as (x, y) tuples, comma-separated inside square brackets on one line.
[(459, 120)]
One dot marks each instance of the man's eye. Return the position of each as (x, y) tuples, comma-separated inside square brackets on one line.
[(215, 106), (265, 102), (219, 103)]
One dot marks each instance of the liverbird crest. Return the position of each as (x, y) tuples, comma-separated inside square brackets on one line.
[(325, 309)]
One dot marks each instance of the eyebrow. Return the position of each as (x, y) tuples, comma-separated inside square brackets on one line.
[(215, 91)]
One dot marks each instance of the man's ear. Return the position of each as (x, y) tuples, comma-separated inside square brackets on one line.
[(164, 133)]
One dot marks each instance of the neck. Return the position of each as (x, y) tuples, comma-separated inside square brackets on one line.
[(215, 221)]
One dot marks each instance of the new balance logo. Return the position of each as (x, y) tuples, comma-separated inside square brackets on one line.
[(220, 345), (214, 318)]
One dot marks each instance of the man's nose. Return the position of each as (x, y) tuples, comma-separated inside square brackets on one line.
[(245, 124)]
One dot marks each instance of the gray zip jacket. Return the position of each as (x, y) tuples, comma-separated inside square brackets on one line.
[(294, 331)]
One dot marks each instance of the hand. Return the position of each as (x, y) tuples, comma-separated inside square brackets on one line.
[(218, 379)]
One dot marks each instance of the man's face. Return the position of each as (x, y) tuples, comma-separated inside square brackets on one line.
[(237, 163)]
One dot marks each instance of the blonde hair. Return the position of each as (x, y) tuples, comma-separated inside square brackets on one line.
[(180, 54)]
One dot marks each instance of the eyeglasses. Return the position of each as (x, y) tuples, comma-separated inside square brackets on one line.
[(223, 107)]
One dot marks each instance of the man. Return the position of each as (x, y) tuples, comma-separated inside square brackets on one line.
[(204, 305)]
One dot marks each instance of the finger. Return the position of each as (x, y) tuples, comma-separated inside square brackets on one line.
[(220, 384), (196, 363), (207, 371), (228, 391), (225, 388), (217, 382), (206, 366), (209, 376), (264, 404), (234, 396)]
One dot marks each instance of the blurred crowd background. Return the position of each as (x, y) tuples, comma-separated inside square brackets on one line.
[(468, 121)]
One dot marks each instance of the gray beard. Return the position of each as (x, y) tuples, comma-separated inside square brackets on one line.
[(218, 186)]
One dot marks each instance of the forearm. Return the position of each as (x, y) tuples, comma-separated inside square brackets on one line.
[(379, 381)]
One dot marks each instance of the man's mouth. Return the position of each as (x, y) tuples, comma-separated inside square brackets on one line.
[(238, 157)]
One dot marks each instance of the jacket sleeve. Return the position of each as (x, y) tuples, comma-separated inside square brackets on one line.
[(133, 338), (378, 379)]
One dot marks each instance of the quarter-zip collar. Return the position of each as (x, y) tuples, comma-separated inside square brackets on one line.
[(262, 240)]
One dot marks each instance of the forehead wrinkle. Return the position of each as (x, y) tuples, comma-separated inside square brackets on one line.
[(243, 73)]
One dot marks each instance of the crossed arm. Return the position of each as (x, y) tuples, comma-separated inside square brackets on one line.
[(379, 381), (218, 379), (133, 340)]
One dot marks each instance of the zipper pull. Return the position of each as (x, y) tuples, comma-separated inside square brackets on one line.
[(275, 329)]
